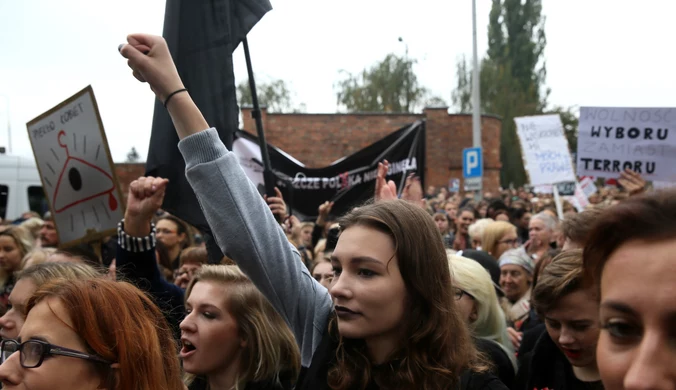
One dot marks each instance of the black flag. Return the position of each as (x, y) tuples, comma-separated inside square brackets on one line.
[(201, 35)]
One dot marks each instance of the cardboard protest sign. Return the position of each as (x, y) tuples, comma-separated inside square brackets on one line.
[(612, 139), (544, 149), (71, 152)]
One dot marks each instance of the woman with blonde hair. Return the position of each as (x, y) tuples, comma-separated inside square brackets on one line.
[(232, 337), (37, 256), (15, 243), (499, 237), (477, 300), (28, 281)]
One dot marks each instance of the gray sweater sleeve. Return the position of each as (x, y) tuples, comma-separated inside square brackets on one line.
[(247, 232)]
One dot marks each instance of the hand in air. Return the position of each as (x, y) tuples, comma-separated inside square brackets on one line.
[(385, 190), (150, 60), (146, 195)]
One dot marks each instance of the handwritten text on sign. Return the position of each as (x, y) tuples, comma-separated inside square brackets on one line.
[(611, 140), (545, 149)]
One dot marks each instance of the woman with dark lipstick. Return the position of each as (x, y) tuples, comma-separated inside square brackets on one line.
[(565, 356), (395, 324)]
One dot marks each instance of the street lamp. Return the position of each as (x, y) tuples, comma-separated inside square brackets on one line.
[(9, 125), (406, 75), (476, 98)]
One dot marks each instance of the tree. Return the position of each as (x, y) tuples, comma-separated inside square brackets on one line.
[(275, 95), (133, 156), (512, 76), (388, 86)]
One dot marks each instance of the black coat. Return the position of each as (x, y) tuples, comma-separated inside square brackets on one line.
[(545, 367), (315, 376)]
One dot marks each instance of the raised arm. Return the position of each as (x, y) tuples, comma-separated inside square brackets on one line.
[(136, 262), (241, 222)]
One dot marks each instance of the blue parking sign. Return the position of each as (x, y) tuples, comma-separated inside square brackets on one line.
[(472, 163)]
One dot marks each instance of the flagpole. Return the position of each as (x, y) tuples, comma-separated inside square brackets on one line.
[(268, 177)]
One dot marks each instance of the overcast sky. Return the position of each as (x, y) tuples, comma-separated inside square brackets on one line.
[(599, 52)]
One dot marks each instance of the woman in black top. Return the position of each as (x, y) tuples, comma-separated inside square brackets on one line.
[(394, 325), (565, 356)]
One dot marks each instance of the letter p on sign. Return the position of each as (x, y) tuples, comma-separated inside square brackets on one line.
[(472, 164)]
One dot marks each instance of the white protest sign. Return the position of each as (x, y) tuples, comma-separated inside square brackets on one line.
[(588, 186), (579, 200), (544, 149), (613, 139), (71, 152)]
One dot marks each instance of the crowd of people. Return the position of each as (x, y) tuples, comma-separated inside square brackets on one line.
[(427, 290)]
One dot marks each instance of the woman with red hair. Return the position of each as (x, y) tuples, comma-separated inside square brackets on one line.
[(91, 334)]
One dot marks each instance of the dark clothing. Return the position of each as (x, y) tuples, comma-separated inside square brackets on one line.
[(201, 384), (547, 368), (529, 339), (523, 234), (503, 367), (136, 264), (315, 377), (449, 242), (531, 322)]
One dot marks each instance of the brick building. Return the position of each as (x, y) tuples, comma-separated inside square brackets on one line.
[(319, 139)]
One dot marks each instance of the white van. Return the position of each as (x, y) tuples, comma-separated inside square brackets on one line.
[(20, 187)]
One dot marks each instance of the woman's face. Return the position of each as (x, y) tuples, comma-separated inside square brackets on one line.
[(442, 223), (514, 281), (167, 234), (323, 273), (10, 255), (637, 344), (463, 221), (209, 333), (573, 325), (13, 320), (49, 321), (508, 241), (451, 209), (466, 306), (367, 289)]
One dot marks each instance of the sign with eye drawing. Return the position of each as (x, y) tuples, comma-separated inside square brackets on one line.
[(77, 172)]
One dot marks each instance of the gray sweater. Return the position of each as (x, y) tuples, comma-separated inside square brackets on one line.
[(247, 232)]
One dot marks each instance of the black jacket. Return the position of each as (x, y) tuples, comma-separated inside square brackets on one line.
[(503, 368), (201, 384), (315, 376), (547, 368)]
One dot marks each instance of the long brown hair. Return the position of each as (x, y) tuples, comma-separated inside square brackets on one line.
[(437, 347), (122, 325)]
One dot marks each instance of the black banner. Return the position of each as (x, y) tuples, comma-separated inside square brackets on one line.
[(348, 182), (201, 35)]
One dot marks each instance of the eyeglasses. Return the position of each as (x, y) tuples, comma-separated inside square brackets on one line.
[(33, 352), (458, 293), (509, 242)]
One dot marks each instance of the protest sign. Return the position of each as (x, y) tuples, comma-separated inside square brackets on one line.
[(72, 156), (347, 182), (588, 186), (612, 139), (544, 149)]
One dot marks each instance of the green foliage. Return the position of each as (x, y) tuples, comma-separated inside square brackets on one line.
[(389, 86), (133, 156), (275, 95), (512, 77)]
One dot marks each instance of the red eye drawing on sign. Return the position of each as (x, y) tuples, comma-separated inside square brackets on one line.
[(83, 181)]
